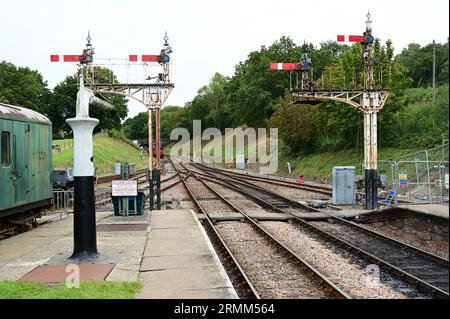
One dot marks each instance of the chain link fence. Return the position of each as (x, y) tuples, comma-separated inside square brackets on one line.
[(420, 177)]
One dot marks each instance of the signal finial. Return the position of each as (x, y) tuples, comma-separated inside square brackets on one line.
[(368, 22), (166, 39), (88, 39)]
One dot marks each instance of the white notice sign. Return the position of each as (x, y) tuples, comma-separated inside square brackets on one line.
[(124, 188), (446, 181)]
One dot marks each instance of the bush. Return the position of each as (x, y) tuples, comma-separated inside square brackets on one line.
[(426, 124), (326, 143)]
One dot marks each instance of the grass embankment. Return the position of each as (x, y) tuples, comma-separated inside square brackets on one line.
[(107, 151), (319, 165), (87, 290)]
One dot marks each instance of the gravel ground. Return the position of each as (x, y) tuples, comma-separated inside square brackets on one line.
[(349, 275), (272, 274), (236, 198), (292, 193), (400, 258), (207, 198)]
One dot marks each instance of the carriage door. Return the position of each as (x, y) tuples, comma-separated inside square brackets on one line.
[(7, 193), (20, 162)]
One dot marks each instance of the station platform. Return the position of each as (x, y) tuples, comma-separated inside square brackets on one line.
[(428, 209), (168, 251), (179, 260)]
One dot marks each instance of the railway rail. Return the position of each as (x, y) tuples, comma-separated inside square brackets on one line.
[(107, 179), (307, 187), (296, 278), (314, 188), (426, 271)]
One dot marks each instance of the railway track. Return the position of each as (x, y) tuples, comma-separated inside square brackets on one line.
[(109, 178), (427, 272), (307, 187), (263, 196), (324, 190), (420, 264), (281, 272)]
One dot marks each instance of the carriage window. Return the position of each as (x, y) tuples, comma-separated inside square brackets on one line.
[(5, 149)]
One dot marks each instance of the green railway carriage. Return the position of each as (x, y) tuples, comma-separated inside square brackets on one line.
[(25, 160)]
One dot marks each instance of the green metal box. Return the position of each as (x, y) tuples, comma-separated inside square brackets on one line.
[(136, 204)]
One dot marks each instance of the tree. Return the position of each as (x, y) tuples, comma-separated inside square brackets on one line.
[(419, 62), (171, 117), (136, 127), (23, 87), (254, 89), (295, 122), (62, 104), (210, 104)]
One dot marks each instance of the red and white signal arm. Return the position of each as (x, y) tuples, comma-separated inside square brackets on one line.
[(65, 58), (283, 66), (142, 58), (350, 38)]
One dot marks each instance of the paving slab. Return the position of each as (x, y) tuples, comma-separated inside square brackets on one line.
[(176, 261), (212, 293), (179, 260), (53, 244), (168, 251)]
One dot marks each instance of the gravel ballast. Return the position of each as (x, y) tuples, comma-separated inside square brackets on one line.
[(271, 272), (349, 274)]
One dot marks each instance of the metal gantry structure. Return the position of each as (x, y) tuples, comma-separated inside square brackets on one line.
[(151, 91), (369, 100)]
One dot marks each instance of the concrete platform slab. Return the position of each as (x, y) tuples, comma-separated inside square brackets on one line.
[(121, 227), (179, 260), (133, 219), (213, 293), (167, 233), (53, 243)]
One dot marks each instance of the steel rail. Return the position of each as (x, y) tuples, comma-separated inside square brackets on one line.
[(169, 178), (272, 194), (175, 183), (248, 291), (309, 187), (421, 284), (109, 178), (399, 243), (312, 272)]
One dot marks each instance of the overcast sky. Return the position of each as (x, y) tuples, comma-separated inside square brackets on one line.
[(207, 36)]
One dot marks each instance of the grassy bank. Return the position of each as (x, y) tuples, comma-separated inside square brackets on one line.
[(316, 166), (319, 165), (107, 151)]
